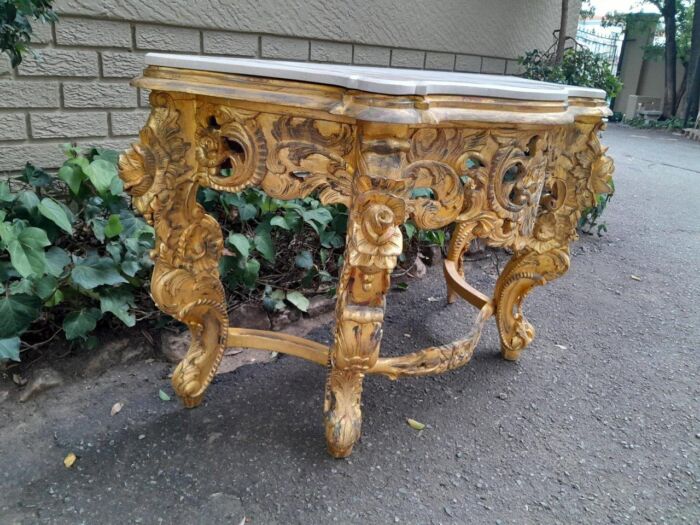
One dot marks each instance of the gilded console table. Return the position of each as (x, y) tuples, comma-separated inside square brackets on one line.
[(508, 160)]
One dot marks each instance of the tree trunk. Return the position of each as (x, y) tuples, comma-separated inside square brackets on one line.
[(562, 31), (669, 14), (693, 89), (680, 106)]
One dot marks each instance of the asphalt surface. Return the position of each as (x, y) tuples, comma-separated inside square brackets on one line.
[(598, 422)]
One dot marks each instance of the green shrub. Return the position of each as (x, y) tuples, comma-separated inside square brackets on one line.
[(74, 256), (579, 67), (71, 251), (277, 249)]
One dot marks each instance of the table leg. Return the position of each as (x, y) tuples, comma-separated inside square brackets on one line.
[(524, 271), (374, 241), (580, 171), (160, 172)]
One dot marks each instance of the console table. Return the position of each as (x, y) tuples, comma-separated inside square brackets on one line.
[(508, 160)]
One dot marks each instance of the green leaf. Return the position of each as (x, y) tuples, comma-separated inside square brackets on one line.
[(53, 211), (263, 244), (298, 300), (109, 155), (251, 272), (163, 396), (279, 221), (118, 301), (78, 324), (28, 201), (317, 217), (5, 194), (35, 176), (101, 173), (55, 299), (27, 251), (247, 211), (22, 286), (410, 230), (240, 242), (113, 227), (45, 287), (72, 175), (9, 348), (56, 261), (304, 260), (94, 272), (16, 314), (130, 268)]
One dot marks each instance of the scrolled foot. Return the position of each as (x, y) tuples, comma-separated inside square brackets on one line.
[(343, 415), (522, 335)]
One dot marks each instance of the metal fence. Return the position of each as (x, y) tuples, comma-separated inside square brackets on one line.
[(608, 46)]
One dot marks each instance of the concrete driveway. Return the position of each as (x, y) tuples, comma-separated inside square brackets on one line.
[(599, 422)]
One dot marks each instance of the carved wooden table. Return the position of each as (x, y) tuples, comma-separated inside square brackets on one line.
[(508, 160)]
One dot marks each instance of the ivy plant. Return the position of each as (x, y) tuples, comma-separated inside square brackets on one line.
[(71, 251)]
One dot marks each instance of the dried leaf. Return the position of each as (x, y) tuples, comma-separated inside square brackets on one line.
[(69, 460), (19, 380), (163, 396), (415, 425), (635, 278), (116, 408)]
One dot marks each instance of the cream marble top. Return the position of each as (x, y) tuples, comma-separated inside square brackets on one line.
[(388, 81)]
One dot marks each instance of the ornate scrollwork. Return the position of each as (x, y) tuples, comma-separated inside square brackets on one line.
[(309, 155), (289, 157), (232, 139), (580, 170), (150, 167)]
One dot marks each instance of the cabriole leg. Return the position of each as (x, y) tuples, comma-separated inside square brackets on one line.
[(524, 271), (160, 173)]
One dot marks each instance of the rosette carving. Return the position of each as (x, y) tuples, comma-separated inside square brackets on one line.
[(150, 167)]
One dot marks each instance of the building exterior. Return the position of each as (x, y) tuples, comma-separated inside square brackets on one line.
[(643, 78), (77, 89)]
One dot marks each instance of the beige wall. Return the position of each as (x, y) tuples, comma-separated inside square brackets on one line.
[(78, 91)]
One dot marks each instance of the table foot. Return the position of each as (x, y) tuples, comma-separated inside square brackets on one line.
[(343, 412), (524, 271)]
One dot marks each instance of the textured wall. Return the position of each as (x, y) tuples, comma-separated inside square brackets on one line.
[(78, 89)]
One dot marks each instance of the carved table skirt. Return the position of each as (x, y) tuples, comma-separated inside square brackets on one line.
[(514, 170)]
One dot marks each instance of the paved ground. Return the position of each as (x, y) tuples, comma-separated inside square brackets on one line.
[(604, 431)]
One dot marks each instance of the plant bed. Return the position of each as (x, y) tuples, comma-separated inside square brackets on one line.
[(75, 265)]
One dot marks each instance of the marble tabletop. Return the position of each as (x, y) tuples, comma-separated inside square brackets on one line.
[(388, 81)]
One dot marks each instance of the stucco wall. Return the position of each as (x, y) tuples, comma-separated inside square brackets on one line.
[(77, 91)]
